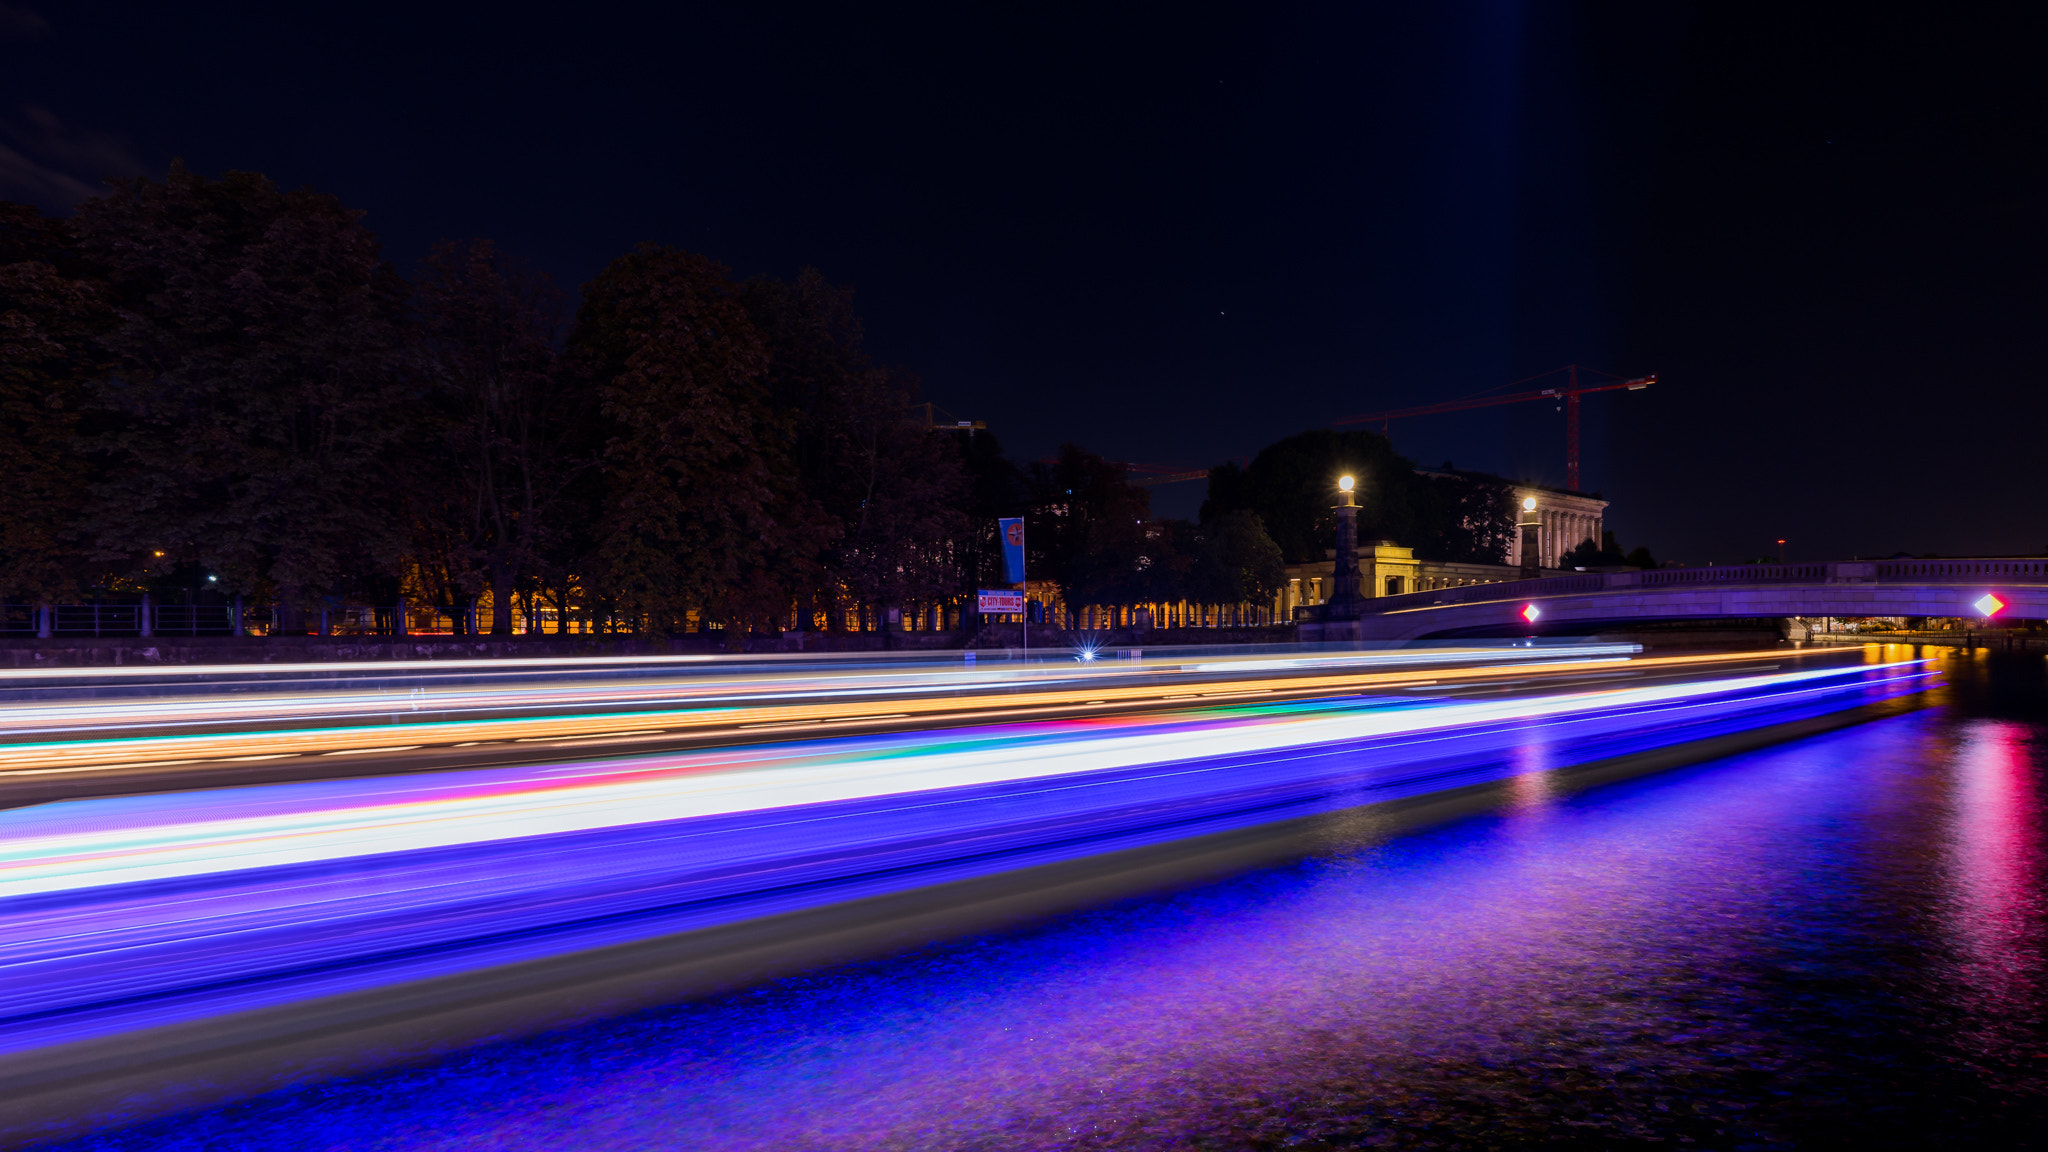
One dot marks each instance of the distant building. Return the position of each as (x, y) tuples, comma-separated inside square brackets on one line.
[(1569, 519), (1389, 569)]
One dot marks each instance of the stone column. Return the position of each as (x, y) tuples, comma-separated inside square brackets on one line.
[(1344, 579), (1531, 526)]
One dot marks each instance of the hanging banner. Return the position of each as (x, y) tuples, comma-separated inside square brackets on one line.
[(1012, 532), (992, 602)]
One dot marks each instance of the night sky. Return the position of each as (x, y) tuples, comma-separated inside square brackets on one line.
[(1176, 233)]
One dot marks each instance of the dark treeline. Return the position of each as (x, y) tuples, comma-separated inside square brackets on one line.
[(219, 377), (1463, 517)]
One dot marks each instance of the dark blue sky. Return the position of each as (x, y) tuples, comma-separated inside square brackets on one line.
[(1176, 233)]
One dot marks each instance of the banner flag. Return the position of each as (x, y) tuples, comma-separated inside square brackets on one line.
[(1013, 548)]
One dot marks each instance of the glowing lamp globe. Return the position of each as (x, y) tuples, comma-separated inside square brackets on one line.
[(1528, 504), (1344, 483), (1530, 612), (1989, 605)]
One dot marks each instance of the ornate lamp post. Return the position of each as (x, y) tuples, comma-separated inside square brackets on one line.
[(1532, 539), (1345, 603)]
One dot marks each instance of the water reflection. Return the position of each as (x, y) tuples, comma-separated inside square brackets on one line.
[(1532, 787), (1994, 912), (1834, 940)]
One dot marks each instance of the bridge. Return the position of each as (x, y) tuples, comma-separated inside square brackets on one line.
[(1587, 600)]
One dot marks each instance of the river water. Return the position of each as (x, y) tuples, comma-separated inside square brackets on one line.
[(1838, 942)]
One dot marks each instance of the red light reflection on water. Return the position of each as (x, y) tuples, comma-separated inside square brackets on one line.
[(1993, 875)]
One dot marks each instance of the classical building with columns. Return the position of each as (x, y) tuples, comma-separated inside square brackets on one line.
[(1569, 519), (1389, 569)]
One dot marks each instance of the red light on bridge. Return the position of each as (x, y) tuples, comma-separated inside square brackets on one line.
[(1989, 605), (1530, 612)]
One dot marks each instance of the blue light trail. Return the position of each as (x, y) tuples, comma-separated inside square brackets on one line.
[(123, 914)]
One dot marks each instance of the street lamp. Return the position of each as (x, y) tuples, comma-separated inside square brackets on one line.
[(1531, 527), (1344, 601)]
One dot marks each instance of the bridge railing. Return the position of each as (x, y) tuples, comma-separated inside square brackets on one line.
[(144, 619), (1958, 570), (2016, 571), (1499, 590), (1731, 574)]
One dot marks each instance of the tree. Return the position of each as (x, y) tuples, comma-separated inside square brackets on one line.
[(1608, 553), (701, 506), (1237, 561), (1229, 491), (996, 488), (1292, 486), (893, 492), (1088, 530), (1463, 517), (509, 421), (51, 312), (253, 409), (896, 549)]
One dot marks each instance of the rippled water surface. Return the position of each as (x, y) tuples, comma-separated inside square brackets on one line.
[(1836, 942)]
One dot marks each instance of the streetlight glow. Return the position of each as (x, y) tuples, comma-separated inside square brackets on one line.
[(1343, 483), (1528, 503)]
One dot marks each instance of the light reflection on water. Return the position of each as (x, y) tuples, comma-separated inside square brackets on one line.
[(1994, 909), (1834, 939)]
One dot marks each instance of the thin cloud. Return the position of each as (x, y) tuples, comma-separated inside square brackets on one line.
[(45, 162), (24, 180), (18, 22)]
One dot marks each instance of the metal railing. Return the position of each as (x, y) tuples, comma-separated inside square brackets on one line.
[(143, 619), (1961, 570), (2014, 571)]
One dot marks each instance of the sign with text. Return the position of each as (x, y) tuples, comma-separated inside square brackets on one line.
[(1001, 601)]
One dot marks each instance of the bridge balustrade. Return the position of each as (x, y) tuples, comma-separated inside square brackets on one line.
[(1837, 572), (1481, 593), (2025, 570), (1732, 574)]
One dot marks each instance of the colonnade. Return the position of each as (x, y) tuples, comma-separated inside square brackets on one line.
[(1564, 531)]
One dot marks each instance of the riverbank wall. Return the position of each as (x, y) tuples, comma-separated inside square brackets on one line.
[(1995, 639)]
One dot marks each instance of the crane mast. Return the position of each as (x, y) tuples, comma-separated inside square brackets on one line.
[(1569, 394)]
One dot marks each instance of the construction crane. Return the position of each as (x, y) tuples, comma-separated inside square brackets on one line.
[(933, 423), (1153, 475), (1570, 394)]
